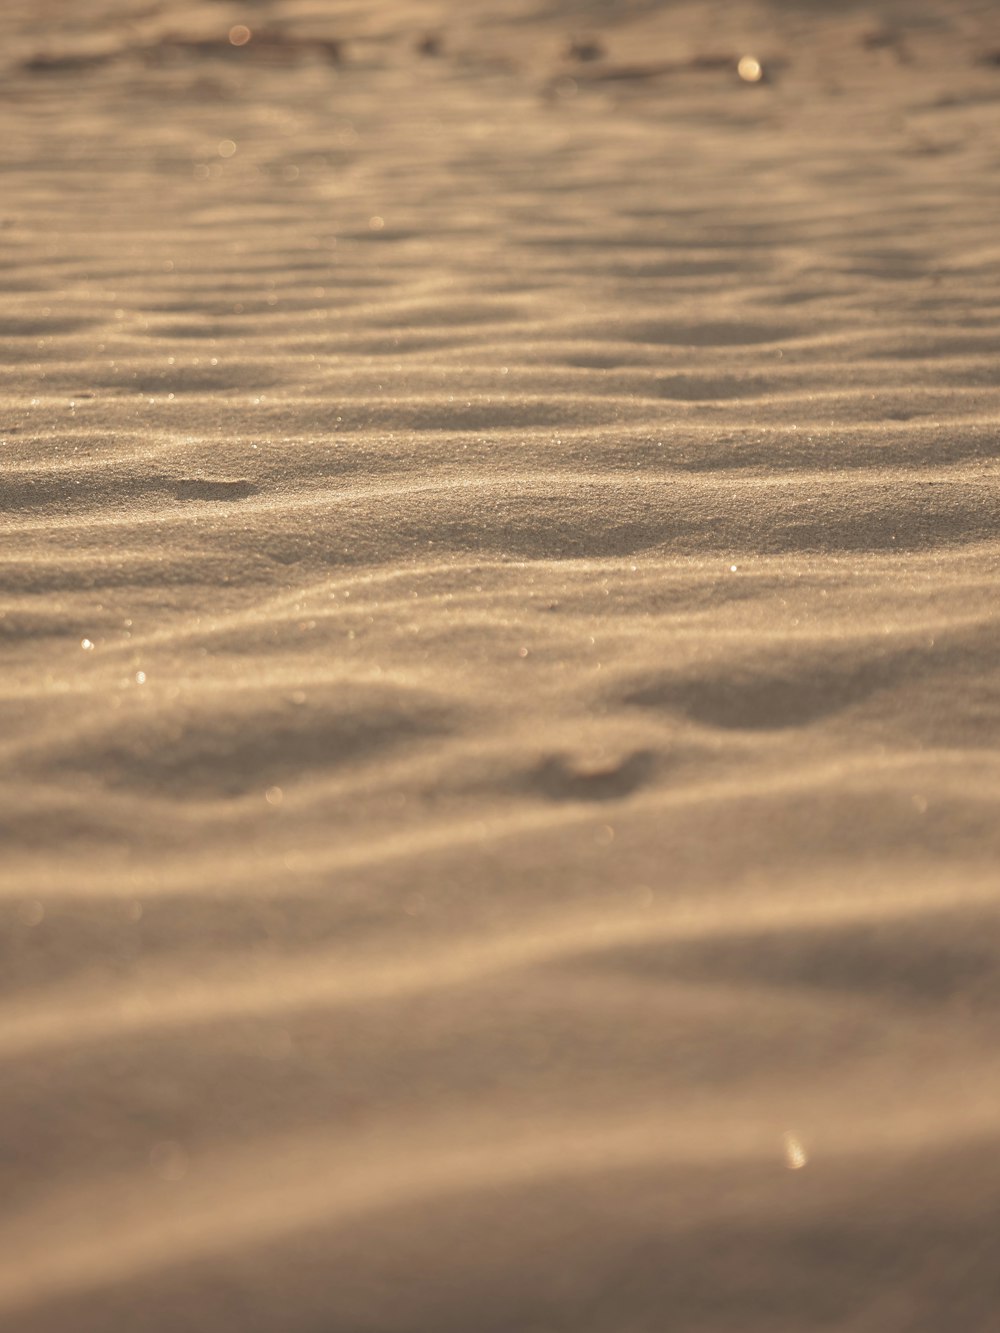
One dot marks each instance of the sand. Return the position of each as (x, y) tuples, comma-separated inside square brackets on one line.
[(499, 701)]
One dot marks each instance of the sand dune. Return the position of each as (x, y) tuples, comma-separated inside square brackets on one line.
[(499, 715)]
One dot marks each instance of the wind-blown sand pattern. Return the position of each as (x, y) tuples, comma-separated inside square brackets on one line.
[(499, 639)]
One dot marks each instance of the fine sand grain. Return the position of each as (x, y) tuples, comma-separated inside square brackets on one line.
[(499, 694)]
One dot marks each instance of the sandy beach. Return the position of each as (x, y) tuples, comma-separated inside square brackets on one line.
[(499, 692)]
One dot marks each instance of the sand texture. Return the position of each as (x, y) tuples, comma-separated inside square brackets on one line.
[(499, 694)]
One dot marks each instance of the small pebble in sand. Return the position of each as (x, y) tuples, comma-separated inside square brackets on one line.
[(795, 1155), (430, 44), (585, 48), (750, 69), (87, 645)]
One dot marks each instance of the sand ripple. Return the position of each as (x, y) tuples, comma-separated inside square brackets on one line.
[(498, 710)]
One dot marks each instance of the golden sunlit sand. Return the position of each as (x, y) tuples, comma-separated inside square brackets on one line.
[(498, 667)]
